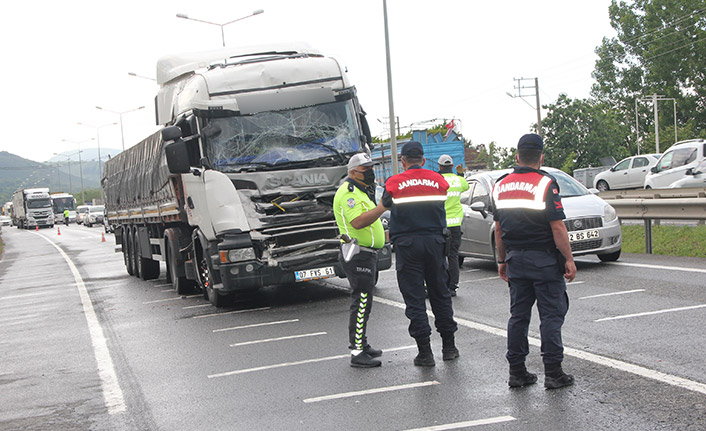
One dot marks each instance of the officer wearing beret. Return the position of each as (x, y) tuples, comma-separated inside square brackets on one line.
[(454, 215), (358, 218), (418, 231), (533, 255)]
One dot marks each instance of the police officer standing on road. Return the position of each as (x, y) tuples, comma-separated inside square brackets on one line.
[(66, 217), (533, 255), (358, 220), (418, 232), (454, 215)]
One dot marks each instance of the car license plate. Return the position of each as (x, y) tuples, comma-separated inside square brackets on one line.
[(584, 235), (313, 274)]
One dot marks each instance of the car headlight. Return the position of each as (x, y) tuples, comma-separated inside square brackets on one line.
[(237, 255), (609, 213)]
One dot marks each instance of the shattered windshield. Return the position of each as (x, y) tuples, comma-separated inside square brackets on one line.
[(321, 134)]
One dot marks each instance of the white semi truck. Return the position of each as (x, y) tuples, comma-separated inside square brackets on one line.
[(32, 208), (235, 192)]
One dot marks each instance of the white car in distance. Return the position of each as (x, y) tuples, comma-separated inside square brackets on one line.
[(628, 173)]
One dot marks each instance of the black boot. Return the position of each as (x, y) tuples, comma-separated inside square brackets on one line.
[(448, 347), (425, 357), (519, 376), (555, 377), (364, 360), (372, 351)]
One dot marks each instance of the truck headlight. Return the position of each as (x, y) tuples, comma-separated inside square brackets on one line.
[(237, 255), (609, 213)]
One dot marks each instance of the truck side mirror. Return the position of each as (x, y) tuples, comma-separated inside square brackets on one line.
[(171, 133), (177, 156)]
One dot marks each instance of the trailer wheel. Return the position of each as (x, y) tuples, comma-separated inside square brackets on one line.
[(127, 251), (181, 284), (148, 268)]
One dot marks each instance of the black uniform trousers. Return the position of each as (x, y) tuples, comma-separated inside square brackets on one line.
[(360, 272), (535, 275), (455, 239), (420, 258)]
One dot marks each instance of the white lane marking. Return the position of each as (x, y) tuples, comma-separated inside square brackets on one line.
[(230, 312), (649, 313), (256, 325), (112, 392), (25, 295), (597, 359), (290, 364), (466, 424), (171, 299), (574, 282), (370, 391), (612, 294), (289, 337), (196, 306), (646, 265), (480, 279), (167, 290)]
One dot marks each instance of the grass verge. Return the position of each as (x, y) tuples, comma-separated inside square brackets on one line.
[(670, 240)]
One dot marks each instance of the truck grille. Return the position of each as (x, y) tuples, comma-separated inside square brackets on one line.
[(583, 223), (305, 244)]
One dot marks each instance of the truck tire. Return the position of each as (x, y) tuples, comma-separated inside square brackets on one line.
[(203, 271), (148, 268), (181, 284), (127, 251)]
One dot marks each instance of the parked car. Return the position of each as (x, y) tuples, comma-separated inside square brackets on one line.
[(592, 224), (629, 173), (94, 215), (5, 221), (81, 212), (674, 163), (693, 177)]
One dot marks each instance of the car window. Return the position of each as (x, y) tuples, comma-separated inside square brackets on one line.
[(623, 165), (480, 194), (683, 156), (466, 196), (701, 168), (639, 162), (666, 161)]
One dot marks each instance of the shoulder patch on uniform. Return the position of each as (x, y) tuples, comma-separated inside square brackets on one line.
[(351, 202)]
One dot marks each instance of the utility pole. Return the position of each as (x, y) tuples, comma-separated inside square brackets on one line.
[(654, 99), (519, 87), (391, 105)]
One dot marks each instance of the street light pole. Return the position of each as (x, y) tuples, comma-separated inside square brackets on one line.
[(100, 161), (391, 105), (223, 37), (68, 162), (80, 164), (122, 135)]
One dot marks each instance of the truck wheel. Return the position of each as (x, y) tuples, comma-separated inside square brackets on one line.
[(181, 284), (127, 252), (206, 282)]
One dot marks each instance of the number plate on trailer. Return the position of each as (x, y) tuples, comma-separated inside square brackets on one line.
[(583, 235), (313, 274)]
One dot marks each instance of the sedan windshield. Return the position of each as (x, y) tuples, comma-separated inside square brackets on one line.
[(321, 134), (568, 186)]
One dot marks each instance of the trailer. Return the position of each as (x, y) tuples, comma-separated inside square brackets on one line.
[(235, 192)]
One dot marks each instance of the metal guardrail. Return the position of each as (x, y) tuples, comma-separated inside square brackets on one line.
[(657, 204)]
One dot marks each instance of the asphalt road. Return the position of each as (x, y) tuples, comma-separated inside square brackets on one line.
[(85, 346)]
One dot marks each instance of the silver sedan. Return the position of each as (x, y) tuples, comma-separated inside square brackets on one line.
[(592, 224)]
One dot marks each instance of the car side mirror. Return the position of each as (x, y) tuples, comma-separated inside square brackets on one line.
[(654, 169), (612, 169), (480, 207), (689, 171)]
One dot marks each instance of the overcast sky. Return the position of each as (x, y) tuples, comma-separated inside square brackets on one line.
[(450, 59)]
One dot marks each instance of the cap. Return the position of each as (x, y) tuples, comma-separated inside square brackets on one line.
[(531, 141), (413, 149), (446, 160), (360, 159)]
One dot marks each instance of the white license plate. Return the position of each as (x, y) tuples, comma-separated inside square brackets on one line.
[(583, 235), (313, 274)]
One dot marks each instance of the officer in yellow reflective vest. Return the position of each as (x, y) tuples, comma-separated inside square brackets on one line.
[(358, 220), (454, 215)]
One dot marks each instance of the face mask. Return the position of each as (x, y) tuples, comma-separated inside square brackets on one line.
[(369, 177)]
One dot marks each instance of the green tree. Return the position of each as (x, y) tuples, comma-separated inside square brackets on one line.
[(660, 48), (578, 132)]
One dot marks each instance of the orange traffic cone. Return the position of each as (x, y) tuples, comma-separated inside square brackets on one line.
[(102, 237), (58, 230)]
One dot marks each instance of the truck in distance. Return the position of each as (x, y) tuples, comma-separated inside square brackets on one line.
[(32, 208), (235, 192)]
